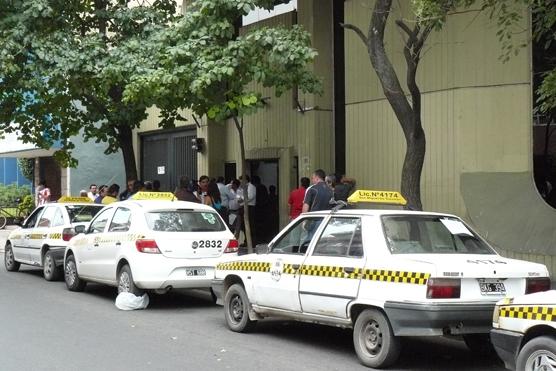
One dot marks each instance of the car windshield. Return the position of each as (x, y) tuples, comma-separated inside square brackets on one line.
[(184, 221), (82, 213), (423, 234)]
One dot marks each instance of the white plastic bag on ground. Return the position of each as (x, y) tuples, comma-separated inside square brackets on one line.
[(128, 301)]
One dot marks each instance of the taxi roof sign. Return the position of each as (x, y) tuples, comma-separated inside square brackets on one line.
[(70, 199), (154, 196), (380, 197)]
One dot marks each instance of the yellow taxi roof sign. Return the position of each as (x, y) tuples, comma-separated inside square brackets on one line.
[(380, 197), (70, 199), (155, 196)]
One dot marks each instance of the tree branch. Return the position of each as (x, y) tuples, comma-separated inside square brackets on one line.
[(357, 30)]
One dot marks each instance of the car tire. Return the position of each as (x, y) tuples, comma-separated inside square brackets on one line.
[(73, 282), (126, 283), (479, 344), (9, 259), (540, 349), (236, 309), (374, 340), (51, 272)]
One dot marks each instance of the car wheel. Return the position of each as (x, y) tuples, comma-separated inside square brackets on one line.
[(236, 309), (73, 282), (9, 259), (374, 341), (125, 282), (51, 272), (538, 354), (479, 344)]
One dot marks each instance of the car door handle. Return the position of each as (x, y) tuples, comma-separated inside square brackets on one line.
[(295, 266), (118, 243), (349, 270), (44, 235), (95, 245)]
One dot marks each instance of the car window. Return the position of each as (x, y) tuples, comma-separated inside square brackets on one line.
[(428, 234), (32, 219), (297, 239), (184, 221), (46, 218), (121, 220), (58, 219), (82, 213), (99, 223), (341, 238)]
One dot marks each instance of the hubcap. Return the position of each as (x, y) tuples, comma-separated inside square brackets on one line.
[(71, 272), (9, 256), (541, 360), (371, 338), (124, 283), (48, 265), (236, 308)]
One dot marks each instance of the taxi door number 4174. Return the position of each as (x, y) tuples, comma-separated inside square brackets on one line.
[(491, 287)]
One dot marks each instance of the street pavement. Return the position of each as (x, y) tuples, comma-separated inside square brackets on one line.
[(46, 327)]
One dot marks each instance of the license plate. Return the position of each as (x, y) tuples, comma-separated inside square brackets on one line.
[(190, 272), (492, 288)]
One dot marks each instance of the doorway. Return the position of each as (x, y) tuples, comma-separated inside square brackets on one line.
[(265, 176)]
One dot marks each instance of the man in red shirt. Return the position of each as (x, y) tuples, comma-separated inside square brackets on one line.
[(296, 198)]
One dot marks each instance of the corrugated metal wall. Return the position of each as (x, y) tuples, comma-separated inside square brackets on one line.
[(476, 109)]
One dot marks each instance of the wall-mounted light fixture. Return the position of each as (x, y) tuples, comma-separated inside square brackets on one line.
[(198, 144)]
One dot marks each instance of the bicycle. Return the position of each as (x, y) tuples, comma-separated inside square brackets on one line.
[(10, 212)]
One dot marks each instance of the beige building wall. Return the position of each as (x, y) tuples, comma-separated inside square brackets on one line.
[(476, 109)]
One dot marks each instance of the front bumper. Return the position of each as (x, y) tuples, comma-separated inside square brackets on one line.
[(507, 344), (433, 319)]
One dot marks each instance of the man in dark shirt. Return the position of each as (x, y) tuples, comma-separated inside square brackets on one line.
[(318, 196)]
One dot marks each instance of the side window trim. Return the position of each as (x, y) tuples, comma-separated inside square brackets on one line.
[(123, 209), (98, 216), (38, 215), (323, 221), (359, 225)]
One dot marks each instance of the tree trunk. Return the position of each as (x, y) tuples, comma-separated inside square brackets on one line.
[(125, 139), (239, 127), (407, 115)]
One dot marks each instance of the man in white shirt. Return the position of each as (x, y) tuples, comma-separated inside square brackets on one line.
[(251, 202), (92, 194)]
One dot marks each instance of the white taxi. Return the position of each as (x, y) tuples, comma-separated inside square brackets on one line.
[(149, 243), (43, 236), (524, 331), (385, 273)]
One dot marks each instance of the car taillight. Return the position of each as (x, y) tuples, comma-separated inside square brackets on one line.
[(537, 284), (233, 246), (147, 246), (67, 234), (443, 288)]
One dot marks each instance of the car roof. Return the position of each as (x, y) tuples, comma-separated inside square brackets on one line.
[(148, 205), (377, 212)]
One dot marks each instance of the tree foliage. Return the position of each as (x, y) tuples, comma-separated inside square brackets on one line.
[(63, 70)]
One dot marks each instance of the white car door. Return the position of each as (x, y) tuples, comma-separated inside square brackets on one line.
[(279, 287), (21, 246), (331, 273), (115, 239), (91, 251), (40, 234)]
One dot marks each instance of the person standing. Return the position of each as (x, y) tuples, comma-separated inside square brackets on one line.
[(184, 192), (101, 193), (43, 195), (201, 192), (235, 217), (251, 201), (111, 194), (129, 188), (224, 197), (296, 198), (318, 196), (212, 198), (92, 194)]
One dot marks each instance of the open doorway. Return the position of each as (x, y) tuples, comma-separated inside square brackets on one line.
[(265, 176)]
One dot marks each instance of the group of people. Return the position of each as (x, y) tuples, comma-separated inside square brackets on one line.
[(323, 194)]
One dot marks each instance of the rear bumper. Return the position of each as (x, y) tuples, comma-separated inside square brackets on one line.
[(58, 254), (218, 290), (507, 344), (432, 319)]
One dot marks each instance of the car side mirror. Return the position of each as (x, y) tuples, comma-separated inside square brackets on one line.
[(79, 229), (262, 249)]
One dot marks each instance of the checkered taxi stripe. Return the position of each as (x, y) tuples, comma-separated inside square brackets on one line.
[(333, 271), (55, 236), (244, 266), (538, 313)]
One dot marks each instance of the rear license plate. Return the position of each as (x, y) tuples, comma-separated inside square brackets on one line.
[(190, 272), (492, 288)]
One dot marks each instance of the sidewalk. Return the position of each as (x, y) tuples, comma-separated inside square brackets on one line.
[(4, 235)]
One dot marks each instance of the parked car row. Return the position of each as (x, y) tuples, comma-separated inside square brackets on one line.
[(387, 274)]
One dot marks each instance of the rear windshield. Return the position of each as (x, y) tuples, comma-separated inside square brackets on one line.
[(184, 221), (421, 234), (82, 213)]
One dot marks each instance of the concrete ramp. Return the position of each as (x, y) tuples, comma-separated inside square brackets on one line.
[(508, 211)]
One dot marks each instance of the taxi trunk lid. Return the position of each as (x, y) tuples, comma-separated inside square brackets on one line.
[(484, 277), (191, 245)]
